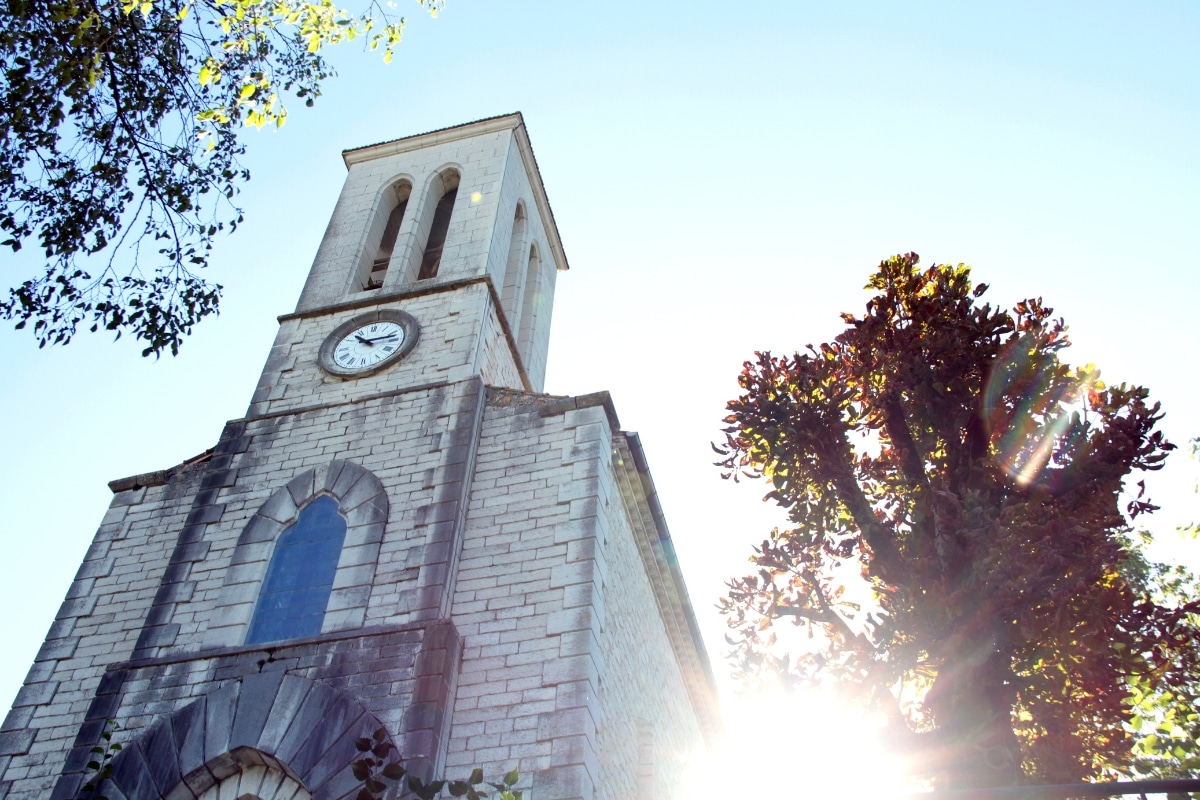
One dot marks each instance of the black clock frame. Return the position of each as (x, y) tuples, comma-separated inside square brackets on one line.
[(406, 321)]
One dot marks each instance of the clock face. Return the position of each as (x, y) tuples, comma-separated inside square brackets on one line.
[(368, 343)]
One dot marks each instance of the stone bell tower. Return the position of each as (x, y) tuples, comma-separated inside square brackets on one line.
[(403, 533)]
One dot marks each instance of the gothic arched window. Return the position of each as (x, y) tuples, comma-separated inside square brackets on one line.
[(299, 579), (396, 197), (531, 304), (440, 227), (514, 277)]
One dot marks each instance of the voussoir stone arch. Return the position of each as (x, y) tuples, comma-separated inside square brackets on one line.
[(277, 736), (361, 500)]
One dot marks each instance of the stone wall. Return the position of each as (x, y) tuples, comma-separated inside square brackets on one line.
[(566, 658), (495, 515), (98, 624), (460, 338)]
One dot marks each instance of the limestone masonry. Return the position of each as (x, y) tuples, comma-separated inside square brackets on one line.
[(497, 587)]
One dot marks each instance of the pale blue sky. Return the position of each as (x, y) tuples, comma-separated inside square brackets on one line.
[(724, 176)]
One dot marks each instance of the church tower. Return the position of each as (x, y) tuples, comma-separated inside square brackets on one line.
[(403, 532)]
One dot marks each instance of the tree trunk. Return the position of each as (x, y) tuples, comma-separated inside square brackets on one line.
[(972, 701)]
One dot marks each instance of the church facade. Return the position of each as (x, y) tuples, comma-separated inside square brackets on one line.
[(403, 533)]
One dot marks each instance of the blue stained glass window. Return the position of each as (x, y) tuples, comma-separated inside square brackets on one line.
[(300, 576)]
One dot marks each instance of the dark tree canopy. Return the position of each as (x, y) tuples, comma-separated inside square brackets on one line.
[(959, 546), (119, 145)]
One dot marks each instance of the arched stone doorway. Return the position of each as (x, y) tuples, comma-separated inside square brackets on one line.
[(294, 743)]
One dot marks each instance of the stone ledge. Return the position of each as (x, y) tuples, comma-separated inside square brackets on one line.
[(287, 412), (549, 405), (266, 647), (603, 399), (433, 286), (158, 477)]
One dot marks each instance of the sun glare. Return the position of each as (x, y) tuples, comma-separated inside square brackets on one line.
[(802, 744)]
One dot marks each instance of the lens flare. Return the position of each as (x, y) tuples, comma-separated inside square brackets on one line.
[(1032, 408), (797, 743)]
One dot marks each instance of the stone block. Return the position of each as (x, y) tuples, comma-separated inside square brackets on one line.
[(13, 743), (158, 635), (569, 619), (190, 553), (571, 573), (579, 594), (187, 728), (349, 475), (132, 775), (288, 700), (35, 694), (97, 568), (219, 479), (255, 701), (339, 715), (18, 719), (250, 553), (259, 529), (364, 489), (305, 720), (218, 719), (371, 533), (564, 723), (570, 782), (302, 487), (574, 528), (78, 607), (344, 619), (279, 507), (355, 582), (205, 514), (569, 669), (158, 749), (174, 593)]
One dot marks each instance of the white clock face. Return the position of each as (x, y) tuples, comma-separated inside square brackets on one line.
[(369, 345)]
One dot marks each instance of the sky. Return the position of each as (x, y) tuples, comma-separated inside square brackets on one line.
[(724, 176)]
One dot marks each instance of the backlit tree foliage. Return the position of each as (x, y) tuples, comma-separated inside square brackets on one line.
[(959, 542), (119, 145)]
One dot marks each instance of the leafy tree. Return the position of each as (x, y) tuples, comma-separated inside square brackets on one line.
[(119, 134), (1165, 718), (1193, 529), (957, 549), (380, 767), (1165, 714)]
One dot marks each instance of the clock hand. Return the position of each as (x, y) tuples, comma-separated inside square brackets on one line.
[(391, 337), (364, 341)]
